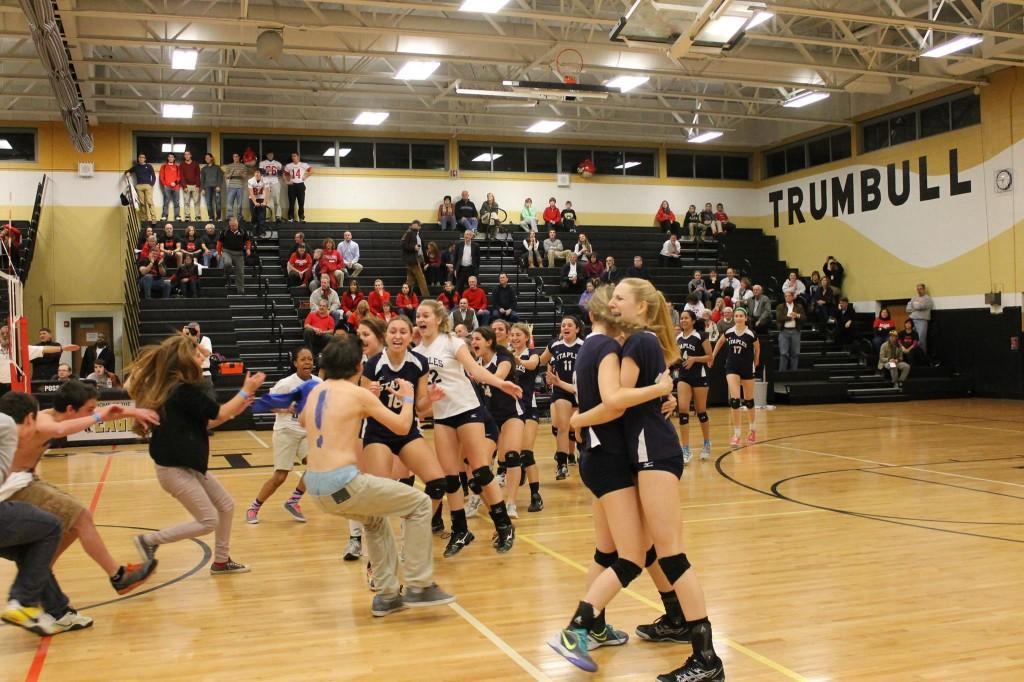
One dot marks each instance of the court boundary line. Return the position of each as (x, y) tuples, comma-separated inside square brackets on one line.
[(506, 648), (257, 439), (729, 642)]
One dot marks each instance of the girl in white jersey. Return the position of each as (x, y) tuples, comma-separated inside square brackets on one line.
[(458, 421)]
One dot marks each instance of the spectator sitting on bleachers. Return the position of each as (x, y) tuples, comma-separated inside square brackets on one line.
[(846, 320), (406, 302), (208, 243), (711, 226), (692, 224), (694, 305), (467, 259), (671, 252), (324, 293), (331, 263), (568, 216), (504, 301), (532, 251), (572, 279), (793, 285), (667, 219), (638, 269), (361, 313), (186, 277), (528, 216), (191, 244), (448, 297), (464, 315), (594, 267), (891, 361), (882, 325), (299, 238), (825, 302), (318, 327), (446, 214), (697, 287), (489, 216), (588, 293), (713, 288), (742, 295), (63, 373), (911, 344), (611, 274), (813, 290), (171, 245), (103, 377), (477, 298), (352, 296), (448, 259), (582, 248), (553, 248), (146, 234), (835, 272), (726, 322), (300, 267), (349, 250), (386, 313), (759, 310), (717, 308), (723, 219), (710, 326), (461, 331), (153, 273), (434, 265), (552, 216), (466, 213), (98, 350), (730, 281), (150, 245), (377, 297)]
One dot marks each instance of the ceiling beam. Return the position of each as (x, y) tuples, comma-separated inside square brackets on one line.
[(896, 22)]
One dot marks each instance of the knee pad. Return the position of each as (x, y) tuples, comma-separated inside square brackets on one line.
[(674, 566), (572, 436), (435, 489), (702, 417), (684, 418), (527, 458), (651, 557), (605, 559), (554, 431), (734, 403), (626, 570), (483, 476), (512, 460), (749, 404), (410, 481), (451, 483)]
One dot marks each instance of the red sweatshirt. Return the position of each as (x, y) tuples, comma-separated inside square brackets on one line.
[(349, 301), (410, 301), (665, 215), (376, 301), (477, 298), (170, 175), (552, 215)]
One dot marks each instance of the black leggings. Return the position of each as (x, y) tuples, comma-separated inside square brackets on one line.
[(297, 192)]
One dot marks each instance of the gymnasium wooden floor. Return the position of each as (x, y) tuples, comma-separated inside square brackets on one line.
[(856, 542)]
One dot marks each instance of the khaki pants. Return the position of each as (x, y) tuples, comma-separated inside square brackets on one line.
[(371, 500), (552, 255), (205, 499), (274, 200), (414, 278), (190, 202), (147, 210)]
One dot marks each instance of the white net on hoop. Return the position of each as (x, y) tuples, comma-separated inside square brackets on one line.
[(14, 344)]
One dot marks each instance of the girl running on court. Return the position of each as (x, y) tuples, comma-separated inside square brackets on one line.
[(560, 358), (525, 372), (458, 421), (692, 382), (501, 329), (470, 486), (743, 356), (169, 379)]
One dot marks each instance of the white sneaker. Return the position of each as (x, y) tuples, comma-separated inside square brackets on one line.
[(472, 505), (687, 455), (513, 511), (501, 480), (72, 620), (705, 452)]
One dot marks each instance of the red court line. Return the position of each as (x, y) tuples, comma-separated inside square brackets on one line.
[(44, 644)]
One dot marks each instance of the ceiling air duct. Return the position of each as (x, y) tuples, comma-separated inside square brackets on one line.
[(47, 34)]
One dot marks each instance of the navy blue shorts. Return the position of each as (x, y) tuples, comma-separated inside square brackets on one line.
[(605, 472), (673, 465), (559, 394), (694, 382), (503, 417), (490, 427), (395, 443), (745, 371), (476, 416)]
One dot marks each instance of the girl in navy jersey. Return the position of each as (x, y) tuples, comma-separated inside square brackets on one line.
[(505, 409), (655, 456), (560, 358), (692, 382), (470, 488), (743, 356), (526, 366), (458, 423), (501, 329)]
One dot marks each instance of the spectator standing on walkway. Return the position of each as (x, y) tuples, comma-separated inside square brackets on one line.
[(170, 183), (296, 174), (272, 170), (211, 177), (190, 201), (236, 173), (233, 247), (789, 316), (145, 178), (919, 308), (412, 256)]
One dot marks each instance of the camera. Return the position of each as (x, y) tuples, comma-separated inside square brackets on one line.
[(193, 331)]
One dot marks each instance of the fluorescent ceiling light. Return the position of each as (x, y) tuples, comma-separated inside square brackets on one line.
[(955, 45), (417, 71), (803, 99), (168, 148), (705, 137), (177, 110), (371, 118), (627, 83), (343, 152), (487, 158), (627, 165), (184, 59), (545, 126), (759, 19), (486, 6), (489, 93), (721, 30), (4, 144)]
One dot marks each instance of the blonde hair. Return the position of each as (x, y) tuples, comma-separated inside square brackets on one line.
[(658, 318), (158, 370), (440, 312), (524, 328), (600, 312)]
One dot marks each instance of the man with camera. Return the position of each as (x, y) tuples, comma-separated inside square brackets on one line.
[(258, 203), (193, 333)]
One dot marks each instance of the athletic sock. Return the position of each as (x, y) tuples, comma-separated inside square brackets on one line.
[(700, 640), (673, 609), (459, 521), (535, 488), (561, 458), (599, 623), (295, 496), (464, 480), (436, 518), (256, 504), (117, 576), (584, 617), (499, 514)]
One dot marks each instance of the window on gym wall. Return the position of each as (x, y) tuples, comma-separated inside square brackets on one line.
[(707, 166), (156, 146), (343, 153), (314, 152), (541, 160), (930, 118), (808, 153), (17, 144)]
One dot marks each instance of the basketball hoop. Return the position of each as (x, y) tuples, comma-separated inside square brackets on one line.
[(568, 66)]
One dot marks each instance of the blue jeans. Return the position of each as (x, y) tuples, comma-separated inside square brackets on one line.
[(469, 223), (29, 537), (789, 349), (209, 259), (213, 206), (147, 282), (447, 222), (170, 197), (235, 202), (921, 327)]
